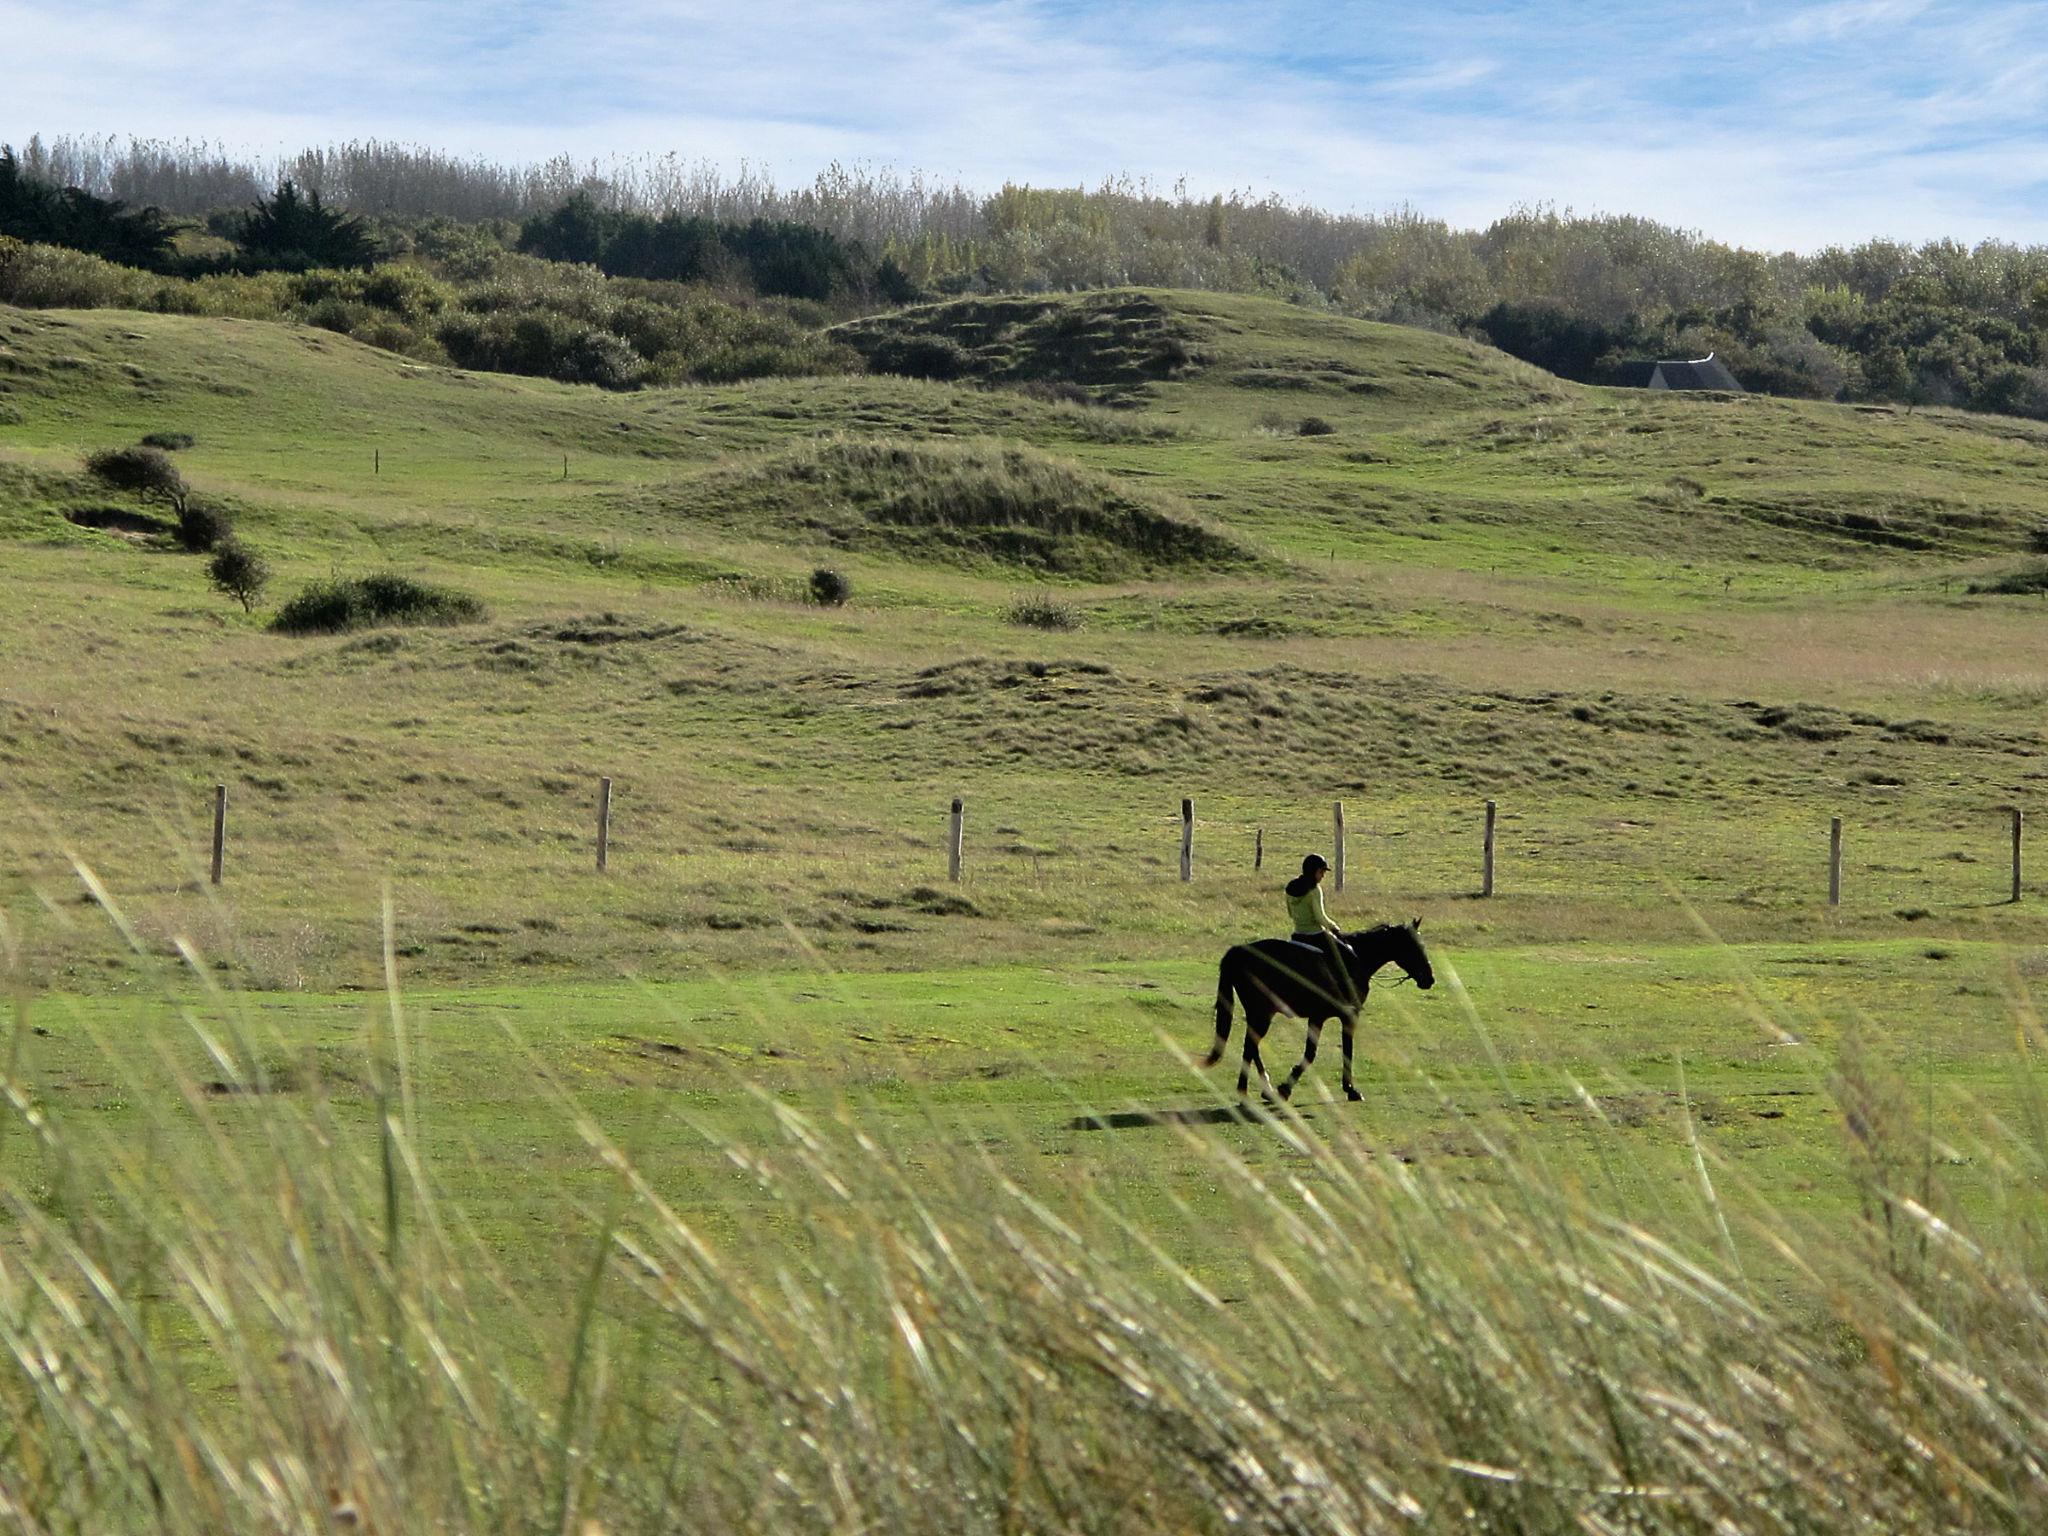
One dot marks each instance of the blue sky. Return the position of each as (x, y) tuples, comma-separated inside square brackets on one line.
[(1787, 125)]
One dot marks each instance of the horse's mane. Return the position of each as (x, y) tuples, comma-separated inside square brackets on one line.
[(1377, 930)]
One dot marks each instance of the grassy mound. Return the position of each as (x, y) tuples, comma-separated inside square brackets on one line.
[(977, 500), (1114, 343), (371, 602)]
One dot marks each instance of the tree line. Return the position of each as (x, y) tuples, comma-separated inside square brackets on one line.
[(1937, 322)]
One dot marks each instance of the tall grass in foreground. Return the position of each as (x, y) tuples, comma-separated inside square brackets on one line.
[(266, 1314)]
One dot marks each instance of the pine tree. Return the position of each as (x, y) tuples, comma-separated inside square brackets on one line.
[(292, 229)]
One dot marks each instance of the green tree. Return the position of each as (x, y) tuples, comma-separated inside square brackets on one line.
[(239, 572), (292, 229), (145, 472)]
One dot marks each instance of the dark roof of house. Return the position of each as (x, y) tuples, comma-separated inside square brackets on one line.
[(1703, 373)]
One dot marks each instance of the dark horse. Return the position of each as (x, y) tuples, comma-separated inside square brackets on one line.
[(1282, 976)]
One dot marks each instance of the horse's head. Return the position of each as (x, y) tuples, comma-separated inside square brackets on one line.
[(1407, 952)]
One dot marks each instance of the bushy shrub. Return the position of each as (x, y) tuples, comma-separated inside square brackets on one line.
[(544, 343), (922, 357), (146, 472), (830, 588), (202, 525), (239, 572), (1039, 612), (2027, 581), (1314, 426), (334, 313), (170, 442), (1054, 391), (367, 602), (52, 277)]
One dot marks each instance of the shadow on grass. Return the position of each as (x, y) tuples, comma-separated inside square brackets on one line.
[(1139, 1119)]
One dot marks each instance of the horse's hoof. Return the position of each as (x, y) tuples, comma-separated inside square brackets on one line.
[(1287, 1090), (1353, 1094)]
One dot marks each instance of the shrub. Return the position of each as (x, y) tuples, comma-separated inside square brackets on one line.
[(2037, 538), (2024, 582), (1039, 612), (543, 342), (169, 441), (51, 277), (239, 572), (922, 357), (367, 602), (203, 525), (830, 588), (371, 601), (144, 471), (1056, 392), (1314, 426)]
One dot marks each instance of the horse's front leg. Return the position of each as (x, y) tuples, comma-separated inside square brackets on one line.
[(1308, 1054), (1350, 1089)]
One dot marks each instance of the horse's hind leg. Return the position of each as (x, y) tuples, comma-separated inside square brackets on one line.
[(1255, 1029), (1308, 1054), (1253, 1061), (1350, 1089)]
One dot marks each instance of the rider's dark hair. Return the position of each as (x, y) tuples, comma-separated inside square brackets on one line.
[(1311, 866)]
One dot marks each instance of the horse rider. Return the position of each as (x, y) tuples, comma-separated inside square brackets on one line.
[(1305, 906)]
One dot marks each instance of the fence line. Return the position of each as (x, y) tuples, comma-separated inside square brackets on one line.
[(956, 841)]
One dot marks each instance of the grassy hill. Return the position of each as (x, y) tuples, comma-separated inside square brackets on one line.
[(1671, 632)]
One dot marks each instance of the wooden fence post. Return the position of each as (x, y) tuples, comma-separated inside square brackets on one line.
[(2019, 825), (220, 830), (1486, 858), (604, 824), (954, 837), (1337, 836), (1259, 850), (1834, 861), (1187, 839)]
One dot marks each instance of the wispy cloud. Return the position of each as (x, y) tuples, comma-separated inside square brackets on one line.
[(1771, 124)]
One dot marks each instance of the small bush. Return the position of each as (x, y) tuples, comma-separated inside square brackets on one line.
[(830, 588), (1056, 392), (202, 526), (1038, 612), (147, 472), (1315, 426), (170, 442), (368, 602), (2037, 538), (2024, 582), (239, 572), (922, 357)]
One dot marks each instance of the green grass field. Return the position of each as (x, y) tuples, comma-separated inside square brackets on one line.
[(1670, 636)]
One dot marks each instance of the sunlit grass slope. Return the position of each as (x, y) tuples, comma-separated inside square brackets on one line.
[(1670, 635)]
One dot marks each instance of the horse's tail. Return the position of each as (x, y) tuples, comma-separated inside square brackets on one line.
[(1226, 987)]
